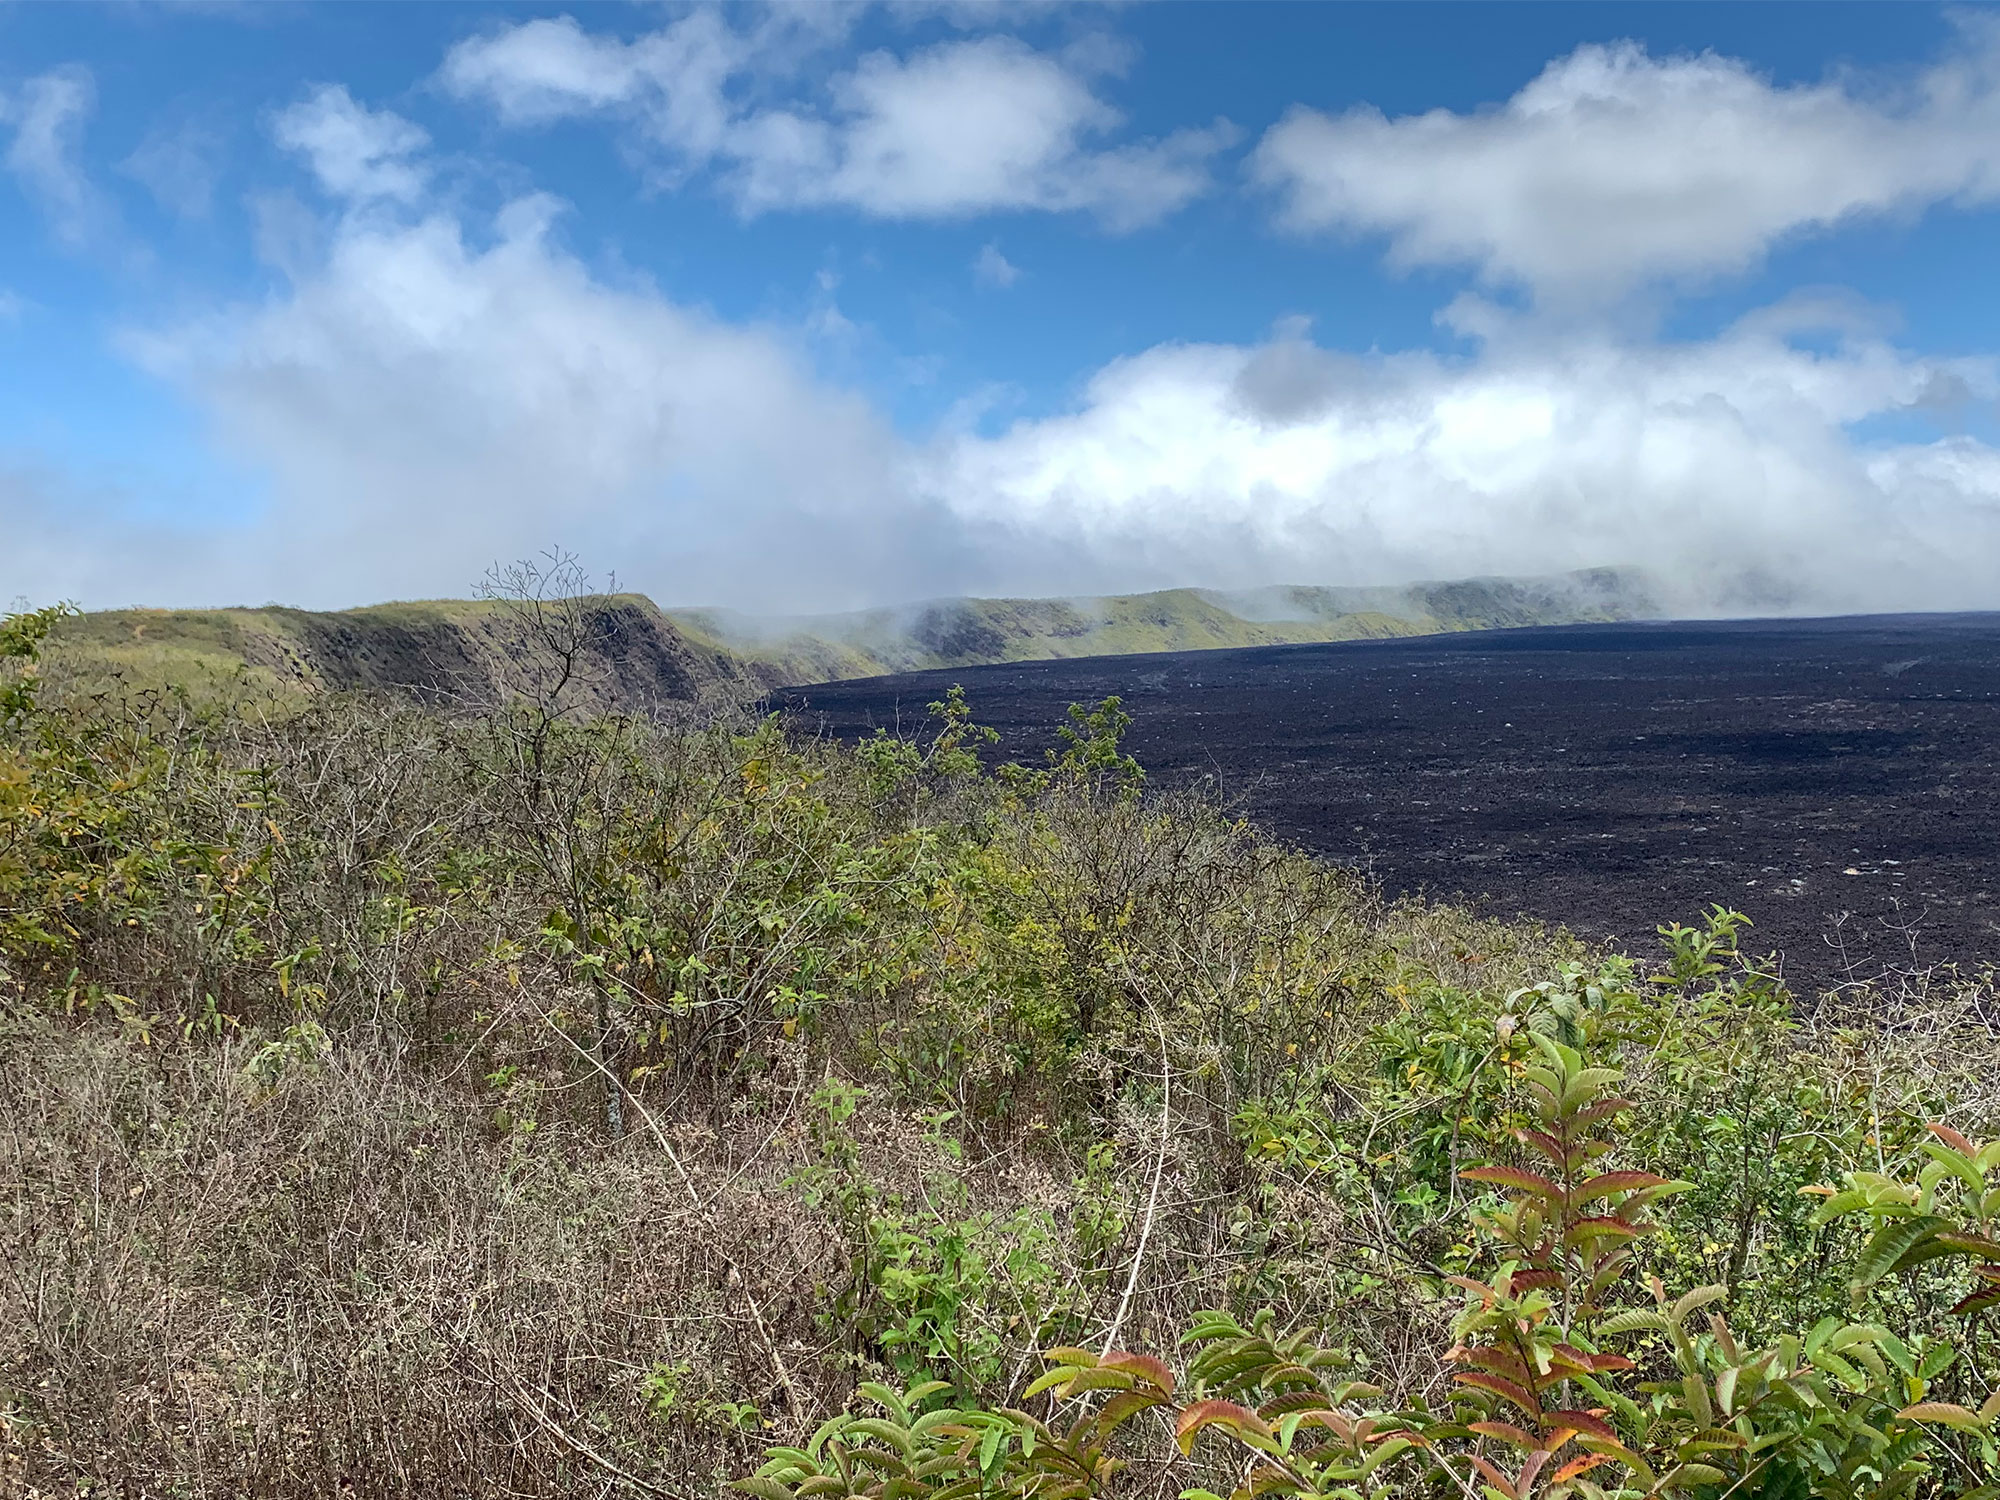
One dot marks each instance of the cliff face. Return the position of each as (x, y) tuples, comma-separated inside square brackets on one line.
[(629, 657), (637, 658)]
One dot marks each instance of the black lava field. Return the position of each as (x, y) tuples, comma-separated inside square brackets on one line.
[(1834, 779)]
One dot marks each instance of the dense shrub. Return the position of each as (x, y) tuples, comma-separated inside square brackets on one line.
[(504, 1100)]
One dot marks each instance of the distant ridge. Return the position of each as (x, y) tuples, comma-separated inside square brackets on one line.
[(644, 657), (971, 632)]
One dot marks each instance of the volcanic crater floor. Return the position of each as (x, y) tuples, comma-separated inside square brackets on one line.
[(1836, 780)]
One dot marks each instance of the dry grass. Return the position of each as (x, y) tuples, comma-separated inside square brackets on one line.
[(310, 1182)]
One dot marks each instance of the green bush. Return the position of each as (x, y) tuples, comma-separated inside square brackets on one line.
[(1545, 1400), (497, 1097)]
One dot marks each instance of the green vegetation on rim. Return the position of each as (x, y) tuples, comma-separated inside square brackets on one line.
[(453, 648), (526, 1100)]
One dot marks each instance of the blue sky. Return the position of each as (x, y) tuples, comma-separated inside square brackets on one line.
[(811, 307)]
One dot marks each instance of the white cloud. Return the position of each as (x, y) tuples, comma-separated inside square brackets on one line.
[(421, 406), (1725, 465), (965, 127), (356, 152), (1614, 167), (551, 69), (991, 268), (48, 115)]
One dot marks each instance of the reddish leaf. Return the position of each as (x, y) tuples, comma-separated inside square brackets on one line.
[(1606, 1183), (1953, 1139), (1478, 1288), (1496, 1360), (1514, 1177), (1591, 1422), (1577, 1466), (1506, 1432), (1334, 1423), (1499, 1386), (1599, 1226), (1944, 1412), (1547, 1144), (1122, 1407), (1238, 1419), (1979, 1301), (1529, 1280), (1495, 1478), (1603, 1109), (1530, 1469), (1144, 1366)]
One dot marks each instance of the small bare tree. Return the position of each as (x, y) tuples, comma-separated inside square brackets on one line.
[(558, 762)]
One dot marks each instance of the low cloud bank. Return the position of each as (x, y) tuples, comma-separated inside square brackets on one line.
[(1727, 467), (422, 405)]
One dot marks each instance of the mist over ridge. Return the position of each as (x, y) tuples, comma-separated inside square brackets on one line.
[(642, 657)]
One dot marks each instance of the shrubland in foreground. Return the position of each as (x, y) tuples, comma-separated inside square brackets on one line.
[(504, 1101)]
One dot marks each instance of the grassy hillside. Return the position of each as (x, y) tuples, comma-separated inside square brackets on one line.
[(967, 632), (639, 655), (441, 650)]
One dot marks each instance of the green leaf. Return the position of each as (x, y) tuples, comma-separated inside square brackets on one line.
[(1891, 1243), (1937, 1357), (1945, 1414), (1386, 1450), (1607, 1183), (885, 1398), (1974, 1245), (1061, 1375), (1832, 1364), (1958, 1165), (1784, 1481), (894, 1435), (1845, 1202), (1687, 1475), (1635, 1320), (1586, 1086), (1099, 1379), (1898, 1352), (1700, 1297)]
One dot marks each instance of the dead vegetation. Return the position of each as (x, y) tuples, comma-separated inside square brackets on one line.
[(516, 1101)]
